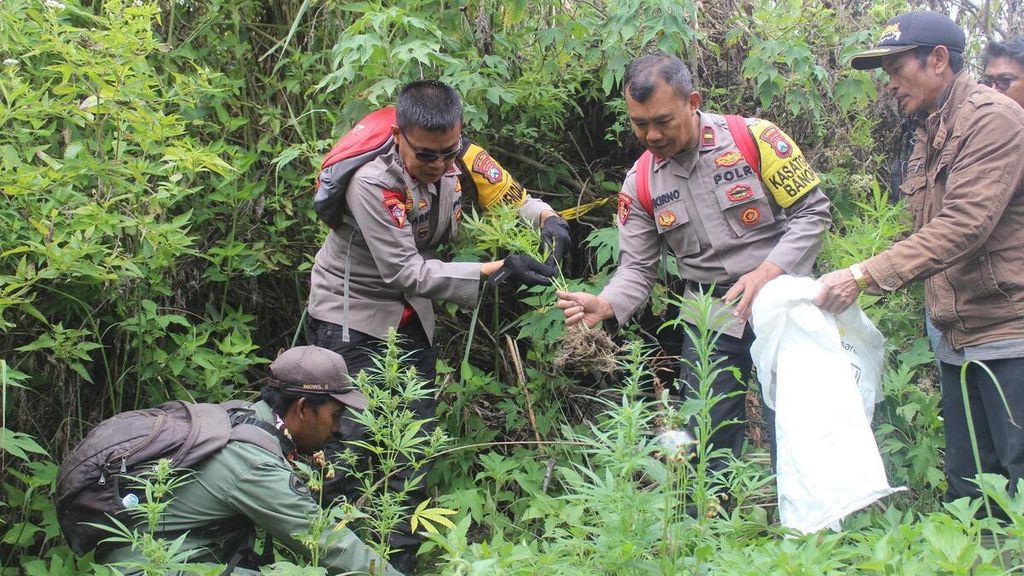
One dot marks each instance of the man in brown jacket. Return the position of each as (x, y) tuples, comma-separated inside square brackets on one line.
[(964, 187)]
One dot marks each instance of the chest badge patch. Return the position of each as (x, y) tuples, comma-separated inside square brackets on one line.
[(423, 204), (728, 159), (624, 202), (396, 208), (707, 137), (666, 218), (780, 145), (750, 217), (485, 166), (739, 193)]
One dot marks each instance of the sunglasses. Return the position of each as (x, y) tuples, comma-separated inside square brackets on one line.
[(1001, 82), (426, 155)]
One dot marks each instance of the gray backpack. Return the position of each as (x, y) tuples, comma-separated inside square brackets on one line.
[(92, 486)]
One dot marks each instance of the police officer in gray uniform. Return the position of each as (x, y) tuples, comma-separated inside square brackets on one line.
[(244, 484), (731, 225), (379, 270)]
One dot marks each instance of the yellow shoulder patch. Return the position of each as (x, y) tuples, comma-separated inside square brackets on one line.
[(784, 171), (493, 183)]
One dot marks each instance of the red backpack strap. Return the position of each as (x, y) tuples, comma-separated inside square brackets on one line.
[(366, 136), (364, 142), (744, 141), (643, 181)]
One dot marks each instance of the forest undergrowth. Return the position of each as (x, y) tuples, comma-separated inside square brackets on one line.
[(157, 161)]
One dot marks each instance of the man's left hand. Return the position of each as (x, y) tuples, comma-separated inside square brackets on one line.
[(838, 291), (747, 287), (554, 237)]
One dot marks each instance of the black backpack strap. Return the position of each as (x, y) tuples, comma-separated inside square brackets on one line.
[(238, 549), (246, 427)]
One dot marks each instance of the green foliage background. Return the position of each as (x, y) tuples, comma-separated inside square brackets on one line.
[(157, 161)]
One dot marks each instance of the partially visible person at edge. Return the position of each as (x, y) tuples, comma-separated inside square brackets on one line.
[(730, 225), (243, 484), (964, 188), (1003, 65), (378, 269)]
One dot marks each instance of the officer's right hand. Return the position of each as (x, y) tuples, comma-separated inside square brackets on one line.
[(522, 269), (582, 307)]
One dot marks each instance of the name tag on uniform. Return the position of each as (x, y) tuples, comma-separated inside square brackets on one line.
[(669, 210)]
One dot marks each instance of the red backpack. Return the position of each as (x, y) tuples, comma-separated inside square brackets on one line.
[(740, 134), (369, 138)]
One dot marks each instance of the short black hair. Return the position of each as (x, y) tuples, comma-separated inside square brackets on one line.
[(428, 104), (1012, 49), (644, 72), (956, 59), (280, 401)]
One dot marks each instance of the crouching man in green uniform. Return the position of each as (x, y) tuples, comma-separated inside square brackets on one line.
[(242, 485)]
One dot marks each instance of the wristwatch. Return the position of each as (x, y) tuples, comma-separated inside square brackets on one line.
[(858, 277)]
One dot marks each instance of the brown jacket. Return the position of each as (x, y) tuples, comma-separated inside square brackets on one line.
[(964, 187)]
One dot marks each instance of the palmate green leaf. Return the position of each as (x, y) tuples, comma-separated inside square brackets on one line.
[(430, 516), (19, 444)]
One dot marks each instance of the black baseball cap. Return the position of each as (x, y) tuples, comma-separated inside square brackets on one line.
[(911, 30), (315, 370)]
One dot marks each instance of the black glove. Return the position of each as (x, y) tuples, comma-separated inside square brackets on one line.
[(522, 269), (554, 237)]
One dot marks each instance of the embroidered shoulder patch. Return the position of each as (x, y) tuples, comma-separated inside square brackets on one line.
[(298, 486), (778, 141), (395, 204), (485, 166), (624, 202)]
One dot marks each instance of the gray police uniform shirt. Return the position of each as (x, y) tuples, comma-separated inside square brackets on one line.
[(383, 254), (717, 216), (244, 481)]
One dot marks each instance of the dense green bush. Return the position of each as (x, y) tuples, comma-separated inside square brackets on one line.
[(156, 164)]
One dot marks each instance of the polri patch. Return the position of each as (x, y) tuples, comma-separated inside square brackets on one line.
[(666, 218), (739, 193), (750, 217), (728, 159), (780, 145), (423, 204), (485, 166), (707, 138), (396, 208), (624, 203)]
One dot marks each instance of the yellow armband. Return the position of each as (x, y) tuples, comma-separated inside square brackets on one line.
[(493, 183), (785, 172)]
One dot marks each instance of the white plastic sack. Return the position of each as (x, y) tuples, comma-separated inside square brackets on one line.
[(821, 374)]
